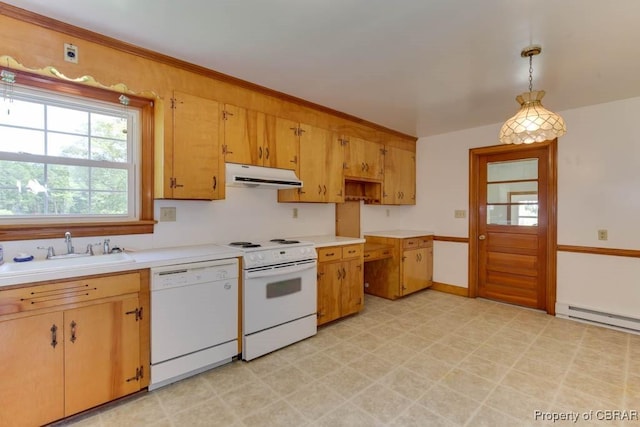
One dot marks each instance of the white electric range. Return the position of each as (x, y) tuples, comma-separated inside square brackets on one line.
[(279, 298)]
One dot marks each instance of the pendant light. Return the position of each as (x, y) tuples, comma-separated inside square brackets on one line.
[(533, 122)]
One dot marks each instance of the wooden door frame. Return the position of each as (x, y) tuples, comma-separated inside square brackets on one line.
[(552, 194)]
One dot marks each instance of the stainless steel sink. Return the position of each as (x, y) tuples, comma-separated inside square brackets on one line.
[(63, 262)]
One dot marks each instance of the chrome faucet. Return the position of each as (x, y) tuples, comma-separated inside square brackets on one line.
[(106, 248), (67, 239)]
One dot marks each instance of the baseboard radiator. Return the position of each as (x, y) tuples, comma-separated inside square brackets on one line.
[(615, 321)]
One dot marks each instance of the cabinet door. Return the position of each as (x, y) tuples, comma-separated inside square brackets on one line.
[(363, 159), (352, 297), (415, 270), (241, 136), (31, 370), (102, 354), (195, 148), (399, 177), (287, 145), (321, 157), (329, 280)]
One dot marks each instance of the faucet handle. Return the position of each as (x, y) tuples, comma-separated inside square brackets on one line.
[(50, 251), (90, 247)]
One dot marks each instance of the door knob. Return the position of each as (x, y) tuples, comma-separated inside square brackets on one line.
[(482, 237)]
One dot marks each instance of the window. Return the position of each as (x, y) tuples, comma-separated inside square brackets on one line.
[(73, 157), (69, 157)]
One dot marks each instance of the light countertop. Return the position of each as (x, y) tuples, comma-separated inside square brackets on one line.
[(148, 258), (330, 240), (398, 234)]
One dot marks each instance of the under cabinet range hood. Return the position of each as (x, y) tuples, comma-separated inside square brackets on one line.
[(239, 175)]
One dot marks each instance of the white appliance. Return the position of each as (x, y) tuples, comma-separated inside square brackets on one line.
[(194, 319), (239, 175), (279, 294)]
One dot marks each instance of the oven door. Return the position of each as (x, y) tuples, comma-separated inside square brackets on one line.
[(279, 294)]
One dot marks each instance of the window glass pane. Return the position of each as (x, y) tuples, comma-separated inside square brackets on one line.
[(21, 188), (67, 120), (63, 177), (108, 126), (66, 145), (104, 179), (109, 203), (513, 170), (503, 193), (109, 149), (23, 114), (14, 140)]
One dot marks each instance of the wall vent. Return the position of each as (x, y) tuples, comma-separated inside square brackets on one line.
[(616, 321)]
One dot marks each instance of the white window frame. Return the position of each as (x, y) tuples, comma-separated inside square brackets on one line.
[(134, 145)]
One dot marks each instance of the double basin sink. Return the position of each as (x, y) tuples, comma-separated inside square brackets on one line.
[(62, 263)]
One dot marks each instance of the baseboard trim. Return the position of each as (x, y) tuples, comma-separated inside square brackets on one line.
[(450, 289)]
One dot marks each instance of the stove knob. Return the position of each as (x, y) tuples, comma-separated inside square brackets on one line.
[(261, 257), (252, 257)]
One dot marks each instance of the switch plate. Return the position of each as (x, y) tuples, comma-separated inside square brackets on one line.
[(70, 53), (460, 213), (388, 213), (295, 212), (603, 235), (168, 214)]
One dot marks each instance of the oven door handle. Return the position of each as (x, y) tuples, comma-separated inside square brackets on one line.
[(280, 271)]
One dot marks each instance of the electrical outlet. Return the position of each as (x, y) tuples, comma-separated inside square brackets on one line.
[(168, 214), (460, 213), (603, 235), (295, 212), (70, 53)]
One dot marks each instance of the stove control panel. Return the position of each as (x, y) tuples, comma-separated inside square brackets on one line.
[(278, 255)]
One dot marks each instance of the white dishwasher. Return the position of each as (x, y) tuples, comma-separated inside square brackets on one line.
[(194, 318)]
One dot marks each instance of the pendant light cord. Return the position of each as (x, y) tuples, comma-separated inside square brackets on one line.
[(530, 73)]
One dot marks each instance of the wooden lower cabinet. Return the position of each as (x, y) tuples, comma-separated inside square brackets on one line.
[(73, 354), (340, 282), (408, 270)]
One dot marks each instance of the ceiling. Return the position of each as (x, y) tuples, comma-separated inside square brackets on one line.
[(422, 67)]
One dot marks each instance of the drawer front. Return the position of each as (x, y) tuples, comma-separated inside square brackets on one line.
[(68, 292), (411, 243), (352, 251), (370, 255), (330, 253), (426, 242)]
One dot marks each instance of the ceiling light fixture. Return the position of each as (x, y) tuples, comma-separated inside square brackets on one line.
[(532, 123)]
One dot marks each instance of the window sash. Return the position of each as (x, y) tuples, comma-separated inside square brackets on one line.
[(88, 106)]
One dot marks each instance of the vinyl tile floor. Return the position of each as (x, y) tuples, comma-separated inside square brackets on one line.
[(429, 359)]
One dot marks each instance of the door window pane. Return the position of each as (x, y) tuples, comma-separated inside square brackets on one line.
[(517, 170), (502, 192)]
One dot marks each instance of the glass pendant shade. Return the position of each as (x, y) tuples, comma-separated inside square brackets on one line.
[(532, 123)]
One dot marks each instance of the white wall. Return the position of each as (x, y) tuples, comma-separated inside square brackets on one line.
[(598, 188)]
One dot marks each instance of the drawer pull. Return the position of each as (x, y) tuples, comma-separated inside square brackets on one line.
[(329, 254), (352, 251), (367, 255)]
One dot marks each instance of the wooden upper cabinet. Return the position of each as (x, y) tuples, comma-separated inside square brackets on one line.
[(363, 159), (399, 177), (194, 149), (320, 167), (250, 138)]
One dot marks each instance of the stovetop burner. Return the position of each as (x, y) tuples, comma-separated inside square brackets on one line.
[(285, 241), (244, 244)]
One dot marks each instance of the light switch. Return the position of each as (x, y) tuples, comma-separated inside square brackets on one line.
[(460, 213), (603, 235)]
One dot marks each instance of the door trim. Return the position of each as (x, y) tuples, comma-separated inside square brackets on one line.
[(552, 232)]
